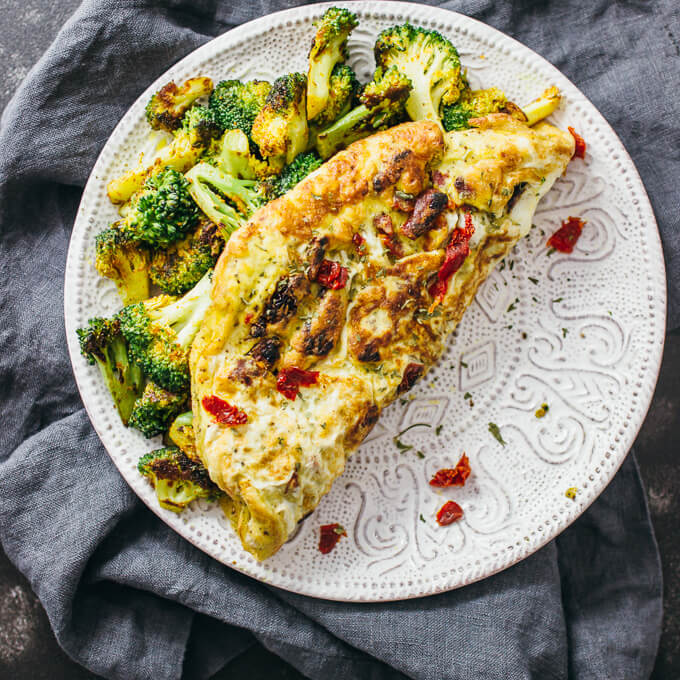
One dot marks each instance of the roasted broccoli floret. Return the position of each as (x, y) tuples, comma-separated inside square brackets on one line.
[(102, 343), (329, 48), (431, 63), (160, 331), (202, 126), (123, 261), (236, 104), (192, 139), (472, 104), (382, 105), (292, 174), (167, 106), (299, 169), (181, 433), (179, 155), (178, 268), (343, 90), (163, 212), (153, 412), (209, 185), (178, 480), (280, 129)]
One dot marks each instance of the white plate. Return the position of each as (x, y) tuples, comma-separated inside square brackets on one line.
[(597, 375)]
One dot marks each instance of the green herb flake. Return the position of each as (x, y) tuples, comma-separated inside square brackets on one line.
[(467, 395), (559, 299), (410, 427), (422, 519), (496, 432), (403, 448), (420, 454), (463, 364), (339, 530), (564, 332), (550, 252), (438, 430), (533, 280)]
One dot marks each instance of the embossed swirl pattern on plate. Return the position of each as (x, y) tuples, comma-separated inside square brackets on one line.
[(586, 339)]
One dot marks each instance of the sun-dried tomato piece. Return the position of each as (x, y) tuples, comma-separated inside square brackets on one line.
[(457, 250), (329, 537), (449, 513), (439, 178), (224, 412), (332, 275), (291, 379), (385, 228), (580, 146), (358, 240), (469, 226), (564, 239), (452, 476)]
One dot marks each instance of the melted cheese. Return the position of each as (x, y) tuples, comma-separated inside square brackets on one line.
[(363, 338)]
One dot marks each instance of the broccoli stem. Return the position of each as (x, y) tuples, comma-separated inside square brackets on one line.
[(241, 191), (216, 208), (102, 343), (186, 314), (123, 378), (542, 107), (186, 418), (318, 90), (425, 98), (344, 131)]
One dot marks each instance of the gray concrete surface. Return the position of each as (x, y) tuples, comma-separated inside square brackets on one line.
[(28, 650)]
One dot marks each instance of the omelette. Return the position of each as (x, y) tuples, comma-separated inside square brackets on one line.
[(337, 297)]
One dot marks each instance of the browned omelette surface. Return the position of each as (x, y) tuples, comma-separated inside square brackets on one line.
[(336, 277)]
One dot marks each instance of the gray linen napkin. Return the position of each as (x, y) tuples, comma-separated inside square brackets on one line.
[(126, 596)]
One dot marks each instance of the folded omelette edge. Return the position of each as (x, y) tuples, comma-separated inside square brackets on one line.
[(335, 280)]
